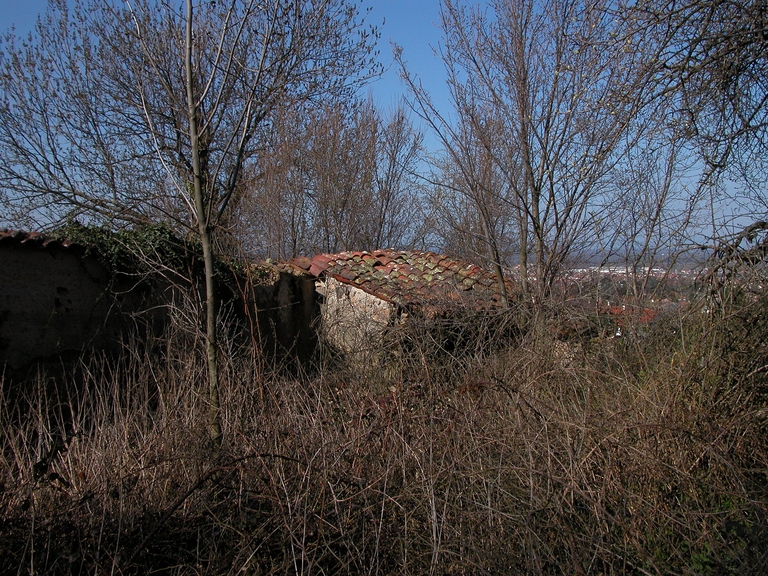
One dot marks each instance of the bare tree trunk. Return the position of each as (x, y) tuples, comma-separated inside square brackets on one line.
[(522, 227), (202, 214), (493, 249)]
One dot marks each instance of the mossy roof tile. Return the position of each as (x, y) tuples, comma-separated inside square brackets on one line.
[(411, 279)]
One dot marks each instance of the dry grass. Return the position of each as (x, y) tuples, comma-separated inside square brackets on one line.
[(646, 455)]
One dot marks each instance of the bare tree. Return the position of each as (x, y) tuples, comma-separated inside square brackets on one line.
[(711, 60), (270, 215), (340, 163), (651, 213), (140, 111), (398, 155), (710, 69), (472, 196), (336, 177), (550, 94)]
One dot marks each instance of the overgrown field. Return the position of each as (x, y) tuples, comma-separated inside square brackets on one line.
[(515, 454)]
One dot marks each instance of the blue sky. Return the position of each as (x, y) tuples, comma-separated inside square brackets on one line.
[(412, 24), (21, 14)]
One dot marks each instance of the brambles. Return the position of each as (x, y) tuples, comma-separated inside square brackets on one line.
[(645, 454)]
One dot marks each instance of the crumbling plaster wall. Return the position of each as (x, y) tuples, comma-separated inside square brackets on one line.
[(353, 321)]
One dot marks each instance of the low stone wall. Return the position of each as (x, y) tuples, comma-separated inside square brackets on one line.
[(55, 300)]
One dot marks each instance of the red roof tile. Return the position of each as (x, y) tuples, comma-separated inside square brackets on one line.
[(623, 315), (411, 279), (19, 237)]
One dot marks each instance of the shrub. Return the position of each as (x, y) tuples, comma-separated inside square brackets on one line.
[(641, 455)]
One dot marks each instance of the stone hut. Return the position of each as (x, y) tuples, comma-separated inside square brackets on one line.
[(364, 293), (58, 298)]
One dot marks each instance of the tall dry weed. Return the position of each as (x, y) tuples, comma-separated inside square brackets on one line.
[(477, 451)]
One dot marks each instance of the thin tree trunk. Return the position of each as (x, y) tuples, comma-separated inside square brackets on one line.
[(522, 227), (490, 240), (214, 410)]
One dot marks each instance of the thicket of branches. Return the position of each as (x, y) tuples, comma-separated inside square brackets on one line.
[(527, 454), (595, 131), (578, 130), (341, 176)]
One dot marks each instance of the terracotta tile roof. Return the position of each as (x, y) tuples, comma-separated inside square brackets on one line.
[(410, 279), (10, 237)]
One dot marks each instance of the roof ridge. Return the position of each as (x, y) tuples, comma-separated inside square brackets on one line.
[(409, 277), (42, 239)]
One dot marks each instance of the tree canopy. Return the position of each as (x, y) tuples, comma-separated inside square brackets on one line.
[(93, 105)]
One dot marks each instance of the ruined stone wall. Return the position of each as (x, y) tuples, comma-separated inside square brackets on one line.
[(288, 312), (56, 300), (353, 321)]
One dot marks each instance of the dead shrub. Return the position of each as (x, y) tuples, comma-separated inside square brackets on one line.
[(641, 455)]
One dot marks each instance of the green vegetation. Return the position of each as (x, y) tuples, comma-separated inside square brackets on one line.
[(152, 250), (132, 250)]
